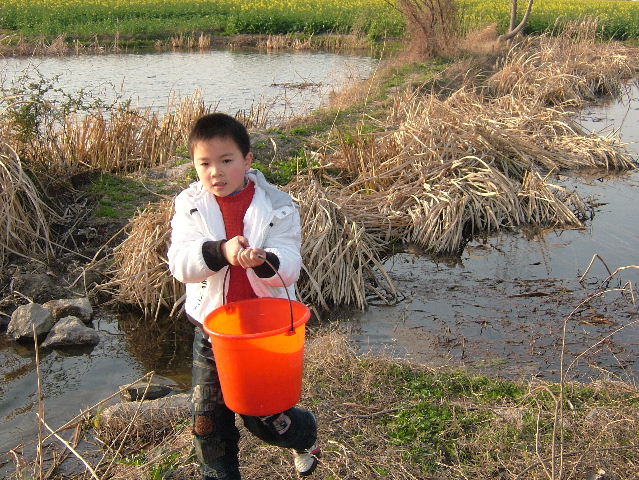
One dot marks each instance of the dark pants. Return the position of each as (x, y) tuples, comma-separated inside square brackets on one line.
[(216, 437)]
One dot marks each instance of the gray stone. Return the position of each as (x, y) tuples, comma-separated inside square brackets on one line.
[(25, 317), (143, 390), (39, 287), (77, 307), (70, 331), (154, 412)]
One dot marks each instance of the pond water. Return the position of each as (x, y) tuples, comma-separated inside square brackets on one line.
[(288, 83)]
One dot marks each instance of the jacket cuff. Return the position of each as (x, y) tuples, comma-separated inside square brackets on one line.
[(213, 256), (265, 270)]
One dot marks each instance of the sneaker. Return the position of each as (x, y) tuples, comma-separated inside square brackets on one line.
[(306, 460)]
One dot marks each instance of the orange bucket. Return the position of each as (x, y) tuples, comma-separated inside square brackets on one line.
[(258, 346)]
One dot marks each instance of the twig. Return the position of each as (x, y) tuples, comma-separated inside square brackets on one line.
[(569, 454), (71, 449), (40, 413), (581, 279), (128, 428)]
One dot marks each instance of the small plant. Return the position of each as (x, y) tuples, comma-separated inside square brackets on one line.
[(281, 172), (118, 197), (164, 469)]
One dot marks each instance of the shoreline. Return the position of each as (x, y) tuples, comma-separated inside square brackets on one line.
[(192, 42)]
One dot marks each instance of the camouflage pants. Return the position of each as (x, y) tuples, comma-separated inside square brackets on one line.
[(216, 436)]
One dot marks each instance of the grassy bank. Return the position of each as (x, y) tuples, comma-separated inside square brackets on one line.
[(114, 23), (379, 418)]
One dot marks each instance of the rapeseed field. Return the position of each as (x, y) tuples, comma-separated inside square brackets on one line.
[(618, 19)]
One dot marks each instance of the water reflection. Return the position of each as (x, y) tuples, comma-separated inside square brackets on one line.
[(163, 345)]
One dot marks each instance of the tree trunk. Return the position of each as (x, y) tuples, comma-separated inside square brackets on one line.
[(514, 32), (513, 16)]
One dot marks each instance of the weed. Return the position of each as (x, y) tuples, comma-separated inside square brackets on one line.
[(164, 469), (118, 197), (133, 460), (281, 172)]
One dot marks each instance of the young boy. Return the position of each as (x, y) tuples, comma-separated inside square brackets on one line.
[(232, 219)]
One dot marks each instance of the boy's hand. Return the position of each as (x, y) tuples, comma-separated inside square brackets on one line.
[(251, 257), (237, 252)]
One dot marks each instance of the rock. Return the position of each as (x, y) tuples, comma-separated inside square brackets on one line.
[(70, 331), (39, 287), (25, 317), (154, 412), (137, 391), (77, 307)]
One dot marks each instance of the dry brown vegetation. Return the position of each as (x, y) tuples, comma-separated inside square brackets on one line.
[(140, 263), (382, 419), (567, 70), (23, 214), (123, 139)]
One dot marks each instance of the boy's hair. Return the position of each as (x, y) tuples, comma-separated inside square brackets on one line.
[(219, 125)]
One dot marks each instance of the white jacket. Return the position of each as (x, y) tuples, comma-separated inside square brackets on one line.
[(272, 222)]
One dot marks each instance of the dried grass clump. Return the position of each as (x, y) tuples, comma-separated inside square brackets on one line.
[(123, 139), (140, 268), (449, 169), (568, 69), (24, 215), (341, 260)]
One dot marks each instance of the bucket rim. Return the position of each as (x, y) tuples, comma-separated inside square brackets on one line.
[(269, 333)]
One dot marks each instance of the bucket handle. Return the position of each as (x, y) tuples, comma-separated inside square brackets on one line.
[(290, 302)]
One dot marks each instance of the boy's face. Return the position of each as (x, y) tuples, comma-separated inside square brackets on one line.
[(220, 165)]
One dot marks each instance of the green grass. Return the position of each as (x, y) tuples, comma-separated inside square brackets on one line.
[(118, 197), (452, 416)]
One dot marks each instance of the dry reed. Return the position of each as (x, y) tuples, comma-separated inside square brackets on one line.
[(140, 268), (120, 140), (432, 26), (341, 260), (568, 69), (25, 216), (325, 42)]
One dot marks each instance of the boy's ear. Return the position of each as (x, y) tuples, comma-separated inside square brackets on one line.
[(248, 160)]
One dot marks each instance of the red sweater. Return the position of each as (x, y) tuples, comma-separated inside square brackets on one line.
[(233, 210)]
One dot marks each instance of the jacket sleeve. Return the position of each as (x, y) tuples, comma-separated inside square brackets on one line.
[(188, 235), (284, 240)]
